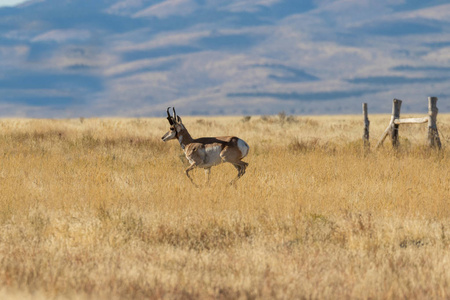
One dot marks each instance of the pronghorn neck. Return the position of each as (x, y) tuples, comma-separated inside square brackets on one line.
[(184, 138)]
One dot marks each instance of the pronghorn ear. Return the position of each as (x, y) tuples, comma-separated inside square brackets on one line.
[(179, 120)]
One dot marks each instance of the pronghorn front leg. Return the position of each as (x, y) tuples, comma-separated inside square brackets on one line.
[(191, 167), (207, 172)]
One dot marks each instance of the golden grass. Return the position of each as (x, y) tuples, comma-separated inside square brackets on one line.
[(102, 209)]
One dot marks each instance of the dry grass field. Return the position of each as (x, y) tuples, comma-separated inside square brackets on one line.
[(102, 209)]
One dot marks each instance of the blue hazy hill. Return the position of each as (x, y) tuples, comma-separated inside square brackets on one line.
[(132, 58)]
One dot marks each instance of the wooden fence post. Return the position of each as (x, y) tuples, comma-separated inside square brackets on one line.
[(433, 134), (392, 128), (397, 104), (366, 126)]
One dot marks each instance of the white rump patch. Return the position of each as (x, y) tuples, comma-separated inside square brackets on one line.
[(243, 147)]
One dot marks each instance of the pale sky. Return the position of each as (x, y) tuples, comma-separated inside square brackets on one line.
[(11, 2), (133, 58)]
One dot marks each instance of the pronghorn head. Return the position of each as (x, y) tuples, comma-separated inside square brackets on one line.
[(176, 126)]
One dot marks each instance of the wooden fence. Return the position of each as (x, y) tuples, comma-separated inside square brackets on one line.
[(393, 127)]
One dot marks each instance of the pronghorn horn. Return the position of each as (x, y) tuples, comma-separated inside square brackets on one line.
[(174, 114), (169, 117)]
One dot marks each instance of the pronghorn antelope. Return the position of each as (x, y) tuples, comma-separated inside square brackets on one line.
[(206, 152)]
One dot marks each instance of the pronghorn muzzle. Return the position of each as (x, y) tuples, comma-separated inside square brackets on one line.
[(171, 134)]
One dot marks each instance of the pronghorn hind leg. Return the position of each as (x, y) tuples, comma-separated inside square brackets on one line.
[(190, 168), (244, 166), (240, 166), (233, 157)]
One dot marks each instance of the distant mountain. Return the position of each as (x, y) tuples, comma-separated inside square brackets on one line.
[(70, 58)]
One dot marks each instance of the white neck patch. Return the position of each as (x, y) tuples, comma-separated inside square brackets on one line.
[(180, 139)]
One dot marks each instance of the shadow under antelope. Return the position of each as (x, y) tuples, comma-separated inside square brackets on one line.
[(206, 152)]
